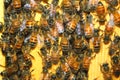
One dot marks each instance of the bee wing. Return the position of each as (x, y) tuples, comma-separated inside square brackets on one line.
[(22, 27), (51, 37), (26, 39), (111, 22), (38, 39), (92, 27), (78, 29), (27, 6), (60, 27)]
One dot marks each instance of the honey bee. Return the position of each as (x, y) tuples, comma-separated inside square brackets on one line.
[(44, 25), (101, 12), (55, 55), (67, 6), (116, 15), (16, 4), (88, 30), (65, 67), (54, 34), (5, 44), (87, 59), (116, 18), (114, 46), (9, 70), (15, 26), (73, 63), (18, 44), (86, 63), (7, 3), (53, 76), (105, 69), (108, 32), (72, 77), (96, 40), (29, 24), (100, 9), (47, 42), (77, 45), (45, 74), (65, 45), (46, 60), (33, 40), (96, 44), (110, 26), (59, 25), (58, 72), (1, 26), (112, 2), (115, 65), (71, 26), (55, 2)]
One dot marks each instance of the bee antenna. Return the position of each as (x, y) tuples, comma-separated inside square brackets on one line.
[(32, 70)]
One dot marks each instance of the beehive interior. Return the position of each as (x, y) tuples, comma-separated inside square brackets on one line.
[(94, 69)]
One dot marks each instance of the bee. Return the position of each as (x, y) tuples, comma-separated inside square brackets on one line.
[(77, 45), (81, 75), (29, 24), (116, 15), (7, 3), (18, 44), (71, 26), (88, 31), (45, 74), (43, 51), (15, 26), (87, 59), (1, 26), (89, 17), (67, 6), (55, 2), (64, 65), (9, 70), (108, 32), (58, 72), (33, 40), (16, 4), (44, 25), (6, 45), (115, 65), (114, 46), (53, 76), (26, 74), (105, 69), (112, 2), (96, 40), (86, 62), (46, 60), (96, 44), (54, 34), (100, 10), (55, 56), (14, 77), (59, 25), (73, 63), (72, 77), (64, 45), (47, 42)]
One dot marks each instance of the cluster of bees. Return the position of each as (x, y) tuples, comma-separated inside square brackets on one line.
[(67, 31)]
